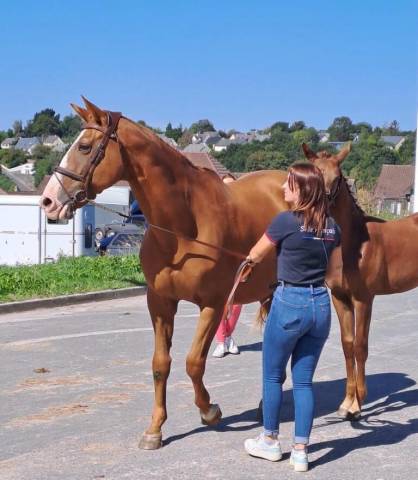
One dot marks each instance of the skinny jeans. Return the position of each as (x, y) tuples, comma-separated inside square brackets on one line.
[(297, 326)]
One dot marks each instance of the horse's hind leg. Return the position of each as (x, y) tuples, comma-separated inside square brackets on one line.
[(361, 349), (162, 312), (345, 312), (196, 362)]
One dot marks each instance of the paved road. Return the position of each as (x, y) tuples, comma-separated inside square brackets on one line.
[(81, 418)]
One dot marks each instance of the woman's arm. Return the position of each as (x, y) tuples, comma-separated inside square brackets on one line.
[(261, 249)]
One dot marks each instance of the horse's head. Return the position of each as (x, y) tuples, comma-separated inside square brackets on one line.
[(330, 166), (92, 164)]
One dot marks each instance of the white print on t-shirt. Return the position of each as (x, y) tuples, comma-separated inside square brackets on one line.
[(328, 234)]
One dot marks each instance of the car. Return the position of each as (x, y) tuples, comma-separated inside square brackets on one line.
[(134, 226), (121, 243)]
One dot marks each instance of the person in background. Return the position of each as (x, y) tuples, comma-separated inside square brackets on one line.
[(224, 341), (299, 320)]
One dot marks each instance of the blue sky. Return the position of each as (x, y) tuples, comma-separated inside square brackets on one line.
[(242, 64)]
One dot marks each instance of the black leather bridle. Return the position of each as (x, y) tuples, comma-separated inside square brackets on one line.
[(80, 197), (334, 190)]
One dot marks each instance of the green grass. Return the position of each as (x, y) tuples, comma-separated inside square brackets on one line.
[(69, 275)]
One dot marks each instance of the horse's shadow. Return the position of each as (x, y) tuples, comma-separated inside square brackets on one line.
[(251, 347), (385, 386)]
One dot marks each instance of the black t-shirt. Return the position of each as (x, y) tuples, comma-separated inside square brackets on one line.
[(302, 257)]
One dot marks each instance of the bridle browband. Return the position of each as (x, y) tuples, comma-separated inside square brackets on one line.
[(109, 133)]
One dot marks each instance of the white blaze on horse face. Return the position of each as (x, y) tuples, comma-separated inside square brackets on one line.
[(53, 187)]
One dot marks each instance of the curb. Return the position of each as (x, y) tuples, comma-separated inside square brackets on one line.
[(61, 301)]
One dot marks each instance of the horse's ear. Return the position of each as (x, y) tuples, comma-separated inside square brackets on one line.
[(309, 154), (81, 112), (343, 153), (95, 114)]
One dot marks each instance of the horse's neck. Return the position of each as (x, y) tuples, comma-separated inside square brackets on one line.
[(160, 178), (349, 216)]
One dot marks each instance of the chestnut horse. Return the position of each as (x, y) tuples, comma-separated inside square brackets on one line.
[(378, 258), (195, 204)]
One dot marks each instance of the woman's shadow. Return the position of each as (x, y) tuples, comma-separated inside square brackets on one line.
[(328, 395)]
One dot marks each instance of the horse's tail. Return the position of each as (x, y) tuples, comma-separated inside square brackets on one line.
[(263, 311)]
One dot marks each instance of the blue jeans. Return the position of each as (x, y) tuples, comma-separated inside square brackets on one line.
[(298, 325)]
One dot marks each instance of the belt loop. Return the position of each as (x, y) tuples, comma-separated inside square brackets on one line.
[(312, 289)]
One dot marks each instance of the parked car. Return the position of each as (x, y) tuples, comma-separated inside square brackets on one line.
[(122, 238), (121, 243)]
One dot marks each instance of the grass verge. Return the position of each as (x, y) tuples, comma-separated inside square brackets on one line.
[(69, 275)]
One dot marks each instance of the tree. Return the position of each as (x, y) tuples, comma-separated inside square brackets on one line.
[(70, 127), (6, 184), (308, 135), (362, 128), (45, 165), (202, 126), (341, 129), (391, 128), (299, 125), (265, 160), (17, 128), (174, 133), (279, 127), (185, 139), (407, 150), (45, 122), (12, 158)]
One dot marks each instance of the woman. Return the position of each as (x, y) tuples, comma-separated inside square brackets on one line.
[(299, 320), (224, 341)]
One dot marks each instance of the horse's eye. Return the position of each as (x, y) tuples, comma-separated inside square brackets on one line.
[(84, 148)]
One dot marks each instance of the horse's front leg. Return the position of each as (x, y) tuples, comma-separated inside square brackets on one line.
[(345, 312), (162, 312), (196, 362), (363, 312)]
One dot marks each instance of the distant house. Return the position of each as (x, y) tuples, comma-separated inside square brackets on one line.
[(196, 148), (323, 136), (393, 141), (27, 144), (25, 169), (239, 137), (204, 160), (168, 140), (394, 189), (55, 143), (209, 138), (255, 136), (222, 145), (8, 143)]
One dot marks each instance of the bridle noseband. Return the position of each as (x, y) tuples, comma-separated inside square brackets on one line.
[(109, 133)]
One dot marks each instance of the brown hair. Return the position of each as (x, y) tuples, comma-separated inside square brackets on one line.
[(312, 203)]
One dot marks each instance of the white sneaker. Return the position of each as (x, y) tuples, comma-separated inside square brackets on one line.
[(263, 448), (220, 350), (299, 460), (231, 346)]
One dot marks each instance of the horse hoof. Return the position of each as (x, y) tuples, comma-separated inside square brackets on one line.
[(213, 416), (151, 441), (342, 412), (354, 416)]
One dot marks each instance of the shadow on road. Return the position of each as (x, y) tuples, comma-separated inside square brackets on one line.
[(385, 387)]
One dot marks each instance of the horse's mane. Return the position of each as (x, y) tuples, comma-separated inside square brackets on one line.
[(353, 198), (148, 133)]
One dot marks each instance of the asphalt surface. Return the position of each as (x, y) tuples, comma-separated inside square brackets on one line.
[(76, 393)]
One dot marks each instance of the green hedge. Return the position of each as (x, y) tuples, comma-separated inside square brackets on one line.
[(69, 275)]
